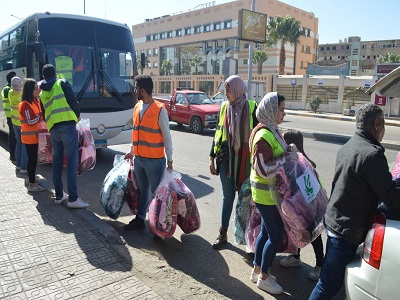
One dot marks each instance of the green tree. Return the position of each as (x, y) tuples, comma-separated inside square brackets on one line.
[(196, 61), (282, 30), (259, 57), (166, 66), (391, 57), (138, 64)]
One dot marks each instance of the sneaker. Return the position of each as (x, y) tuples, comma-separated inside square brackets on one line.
[(290, 261), (17, 168), (254, 276), (59, 201), (137, 223), (269, 285), (35, 188), (79, 203), (314, 274), (23, 171)]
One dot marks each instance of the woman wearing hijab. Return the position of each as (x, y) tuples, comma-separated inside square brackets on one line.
[(229, 156), (266, 143)]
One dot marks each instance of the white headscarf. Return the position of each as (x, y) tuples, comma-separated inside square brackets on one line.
[(267, 114)]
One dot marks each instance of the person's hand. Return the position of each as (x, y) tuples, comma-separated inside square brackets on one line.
[(213, 171), (128, 156), (169, 165)]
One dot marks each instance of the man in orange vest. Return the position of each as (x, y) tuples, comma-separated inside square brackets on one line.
[(151, 142)]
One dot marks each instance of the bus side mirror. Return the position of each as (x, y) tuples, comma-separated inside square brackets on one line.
[(142, 60), (40, 51)]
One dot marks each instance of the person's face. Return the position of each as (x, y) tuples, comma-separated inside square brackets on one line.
[(138, 92), (379, 129), (281, 112), (228, 93)]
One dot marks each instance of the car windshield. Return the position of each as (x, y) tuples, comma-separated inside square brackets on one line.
[(199, 98)]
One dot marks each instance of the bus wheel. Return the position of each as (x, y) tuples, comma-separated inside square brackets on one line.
[(196, 125)]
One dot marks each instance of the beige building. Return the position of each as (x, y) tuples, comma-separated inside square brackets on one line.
[(361, 56), (204, 41)]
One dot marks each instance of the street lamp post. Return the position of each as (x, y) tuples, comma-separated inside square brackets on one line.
[(250, 71)]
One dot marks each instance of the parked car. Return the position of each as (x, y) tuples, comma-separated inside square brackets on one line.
[(372, 274)]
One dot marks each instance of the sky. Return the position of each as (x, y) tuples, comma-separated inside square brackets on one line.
[(338, 19)]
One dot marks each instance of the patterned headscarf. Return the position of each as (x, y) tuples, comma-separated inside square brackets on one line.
[(234, 110), (267, 115)]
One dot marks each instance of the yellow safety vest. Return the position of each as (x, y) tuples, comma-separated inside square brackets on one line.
[(263, 190), (55, 106), (6, 102), (15, 99), (220, 133), (64, 67)]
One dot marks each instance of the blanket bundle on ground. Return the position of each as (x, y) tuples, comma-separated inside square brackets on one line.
[(173, 203)]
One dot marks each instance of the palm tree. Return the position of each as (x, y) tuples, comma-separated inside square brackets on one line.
[(196, 61), (259, 57), (391, 57), (283, 30), (166, 66), (138, 63)]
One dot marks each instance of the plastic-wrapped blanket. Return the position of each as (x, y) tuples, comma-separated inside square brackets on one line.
[(45, 154), (396, 167), (301, 199), (87, 150), (114, 186), (242, 213), (132, 191), (173, 203)]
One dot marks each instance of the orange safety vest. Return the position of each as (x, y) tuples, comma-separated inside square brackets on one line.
[(147, 139), (29, 132)]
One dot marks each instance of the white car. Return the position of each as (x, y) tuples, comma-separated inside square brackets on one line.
[(374, 272), (218, 98)]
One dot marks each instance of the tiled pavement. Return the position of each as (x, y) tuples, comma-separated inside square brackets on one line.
[(49, 251)]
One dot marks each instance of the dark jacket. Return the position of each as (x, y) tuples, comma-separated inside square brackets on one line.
[(362, 179), (69, 95)]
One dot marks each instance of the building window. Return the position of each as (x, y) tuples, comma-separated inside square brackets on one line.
[(217, 26), (301, 65), (347, 47), (187, 31), (148, 65), (308, 32), (353, 73), (328, 48), (169, 34), (155, 51), (196, 29), (155, 64), (227, 24), (178, 32), (338, 57), (246, 45), (322, 48), (207, 28), (162, 35), (148, 38), (246, 61), (333, 47), (354, 63), (355, 51), (308, 49), (155, 36), (341, 47), (148, 52)]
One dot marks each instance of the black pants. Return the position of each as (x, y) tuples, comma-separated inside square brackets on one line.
[(318, 251), (12, 141), (32, 151)]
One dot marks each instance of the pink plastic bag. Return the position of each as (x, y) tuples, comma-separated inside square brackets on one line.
[(87, 150), (396, 167)]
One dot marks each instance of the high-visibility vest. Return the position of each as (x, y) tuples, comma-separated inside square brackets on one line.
[(55, 106), (64, 67), (263, 190), (15, 99), (29, 132), (220, 133), (6, 101), (147, 139)]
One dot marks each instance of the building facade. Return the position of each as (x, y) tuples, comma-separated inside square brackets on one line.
[(361, 56), (204, 41)]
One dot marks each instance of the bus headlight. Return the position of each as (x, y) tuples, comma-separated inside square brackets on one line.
[(128, 125), (101, 129)]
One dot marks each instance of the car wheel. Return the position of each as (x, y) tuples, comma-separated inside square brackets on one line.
[(196, 125)]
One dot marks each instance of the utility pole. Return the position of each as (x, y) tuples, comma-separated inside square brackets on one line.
[(250, 71)]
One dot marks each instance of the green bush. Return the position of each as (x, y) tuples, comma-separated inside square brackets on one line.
[(314, 104)]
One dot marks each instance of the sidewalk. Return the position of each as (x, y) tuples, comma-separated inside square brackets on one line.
[(49, 251)]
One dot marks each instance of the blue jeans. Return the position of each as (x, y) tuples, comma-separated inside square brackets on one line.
[(64, 138), (148, 173), (270, 237), (339, 252), (21, 157), (228, 194)]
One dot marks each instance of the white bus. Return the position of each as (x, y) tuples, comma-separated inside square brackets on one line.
[(101, 59)]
